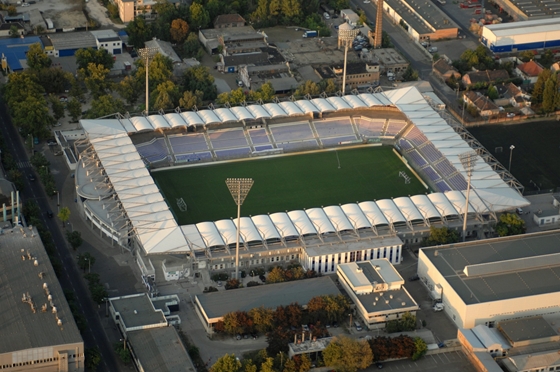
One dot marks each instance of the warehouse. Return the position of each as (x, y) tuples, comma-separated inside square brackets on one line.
[(494, 280), (519, 36)]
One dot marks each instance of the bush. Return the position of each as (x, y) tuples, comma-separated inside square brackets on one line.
[(253, 284), (420, 348), (220, 277), (210, 289)]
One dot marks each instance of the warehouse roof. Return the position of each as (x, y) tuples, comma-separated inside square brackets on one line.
[(526, 329), (524, 27), (22, 327), (73, 40), (501, 268), (423, 17), (217, 304)]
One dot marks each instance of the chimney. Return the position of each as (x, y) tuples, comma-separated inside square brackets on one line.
[(378, 25)]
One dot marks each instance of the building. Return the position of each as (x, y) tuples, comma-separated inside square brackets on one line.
[(358, 75), (309, 347), (543, 361), (108, 40), (65, 44), (14, 50), (211, 307), (521, 10), (444, 70), (145, 326), (377, 290), (350, 17), (126, 9), (484, 78), (423, 21), (229, 20), (519, 36), (213, 37), (388, 58), (6, 29), (529, 71), (164, 48), (486, 282), (507, 93), (484, 106), (38, 329)]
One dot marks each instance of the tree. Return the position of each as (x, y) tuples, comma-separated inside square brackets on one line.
[(37, 58), (276, 275), (267, 365), (347, 355), (420, 348), (138, 31), (74, 238), (32, 115), (192, 47), (441, 235), (232, 284), (123, 352), (12, 10), (57, 107), (105, 105), (129, 88), (92, 358), (551, 97), (96, 56), (85, 261), (492, 92), (14, 31), (309, 87), (190, 99), (165, 96), (538, 88), (199, 78), (179, 30), (386, 40), (95, 78), (199, 16), (226, 363), (263, 318), (74, 108), (510, 224), (64, 215), (410, 74)]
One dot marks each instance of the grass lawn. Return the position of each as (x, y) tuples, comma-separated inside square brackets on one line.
[(536, 156), (287, 183)]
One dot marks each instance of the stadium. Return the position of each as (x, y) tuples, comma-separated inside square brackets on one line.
[(120, 158)]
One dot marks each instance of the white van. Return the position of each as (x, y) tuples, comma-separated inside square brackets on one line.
[(327, 15)]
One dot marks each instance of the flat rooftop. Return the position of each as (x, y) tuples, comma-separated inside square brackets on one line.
[(213, 33), (388, 301), (21, 328), (501, 268), (538, 8), (427, 11), (217, 304), (161, 350), (137, 311), (387, 56), (72, 40), (526, 329)]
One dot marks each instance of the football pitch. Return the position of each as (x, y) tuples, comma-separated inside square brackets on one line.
[(286, 183)]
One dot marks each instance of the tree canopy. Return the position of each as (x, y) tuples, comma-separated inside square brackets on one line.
[(440, 235), (510, 224), (348, 355)]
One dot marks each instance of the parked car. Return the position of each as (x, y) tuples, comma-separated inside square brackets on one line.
[(510, 114), (438, 307), (31, 177), (52, 143), (262, 278), (414, 278), (50, 214)]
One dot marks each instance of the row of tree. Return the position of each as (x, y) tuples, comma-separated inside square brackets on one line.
[(546, 91)]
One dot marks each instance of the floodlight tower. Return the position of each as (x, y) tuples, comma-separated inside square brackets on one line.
[(346, 34), (468, 160), (147, 54), (239, 188)]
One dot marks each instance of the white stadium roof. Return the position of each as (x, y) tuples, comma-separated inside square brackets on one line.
[(158, 231)]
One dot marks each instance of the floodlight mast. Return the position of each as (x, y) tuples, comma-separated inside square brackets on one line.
[(345, 36), (468, 160), (147, 54), (239, 188)]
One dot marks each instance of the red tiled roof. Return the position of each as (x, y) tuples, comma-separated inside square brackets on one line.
[(530, 68)]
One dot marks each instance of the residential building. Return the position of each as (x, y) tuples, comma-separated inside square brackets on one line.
[(213, 37), (38, 328), (126, 9), (108, 40), (483, 104), (350, 17), (444, 70), (485, 77), (6, 29), (517, 279), (529, 71), (377, 290), (507, 94), (229, 20), (358, 74)]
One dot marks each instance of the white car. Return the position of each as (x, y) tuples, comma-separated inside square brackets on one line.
[(367, 1), (25, 4), (438, 307)]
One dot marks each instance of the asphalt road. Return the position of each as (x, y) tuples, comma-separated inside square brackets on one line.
[(71, 278)]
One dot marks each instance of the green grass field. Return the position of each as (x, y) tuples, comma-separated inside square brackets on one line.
[(287, 183), (536, 156)]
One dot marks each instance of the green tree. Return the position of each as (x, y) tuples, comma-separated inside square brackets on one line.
[(64, 215), (420, 348), (95, 78), (268, 365), (75, 239), (190, 99), (551, 97), (347, 355), (12, 10), (440, 235), (492, 92), (104, 106), (192, 47), (260, 15), (74, 108), (96, 56), (309, 87), (276, 275), (226, 363), (179, 30), (57, 107), (14, 31), (138, 31), (199, 78), (510, 224), (53, 80), (37, 58), (538, 88), (165, 96), (386, 40), (92, 358), (129, 89), (263, 318), (123, 352), (32, 115), (410, 74), (85, 261), (199, 17), (526, 55)]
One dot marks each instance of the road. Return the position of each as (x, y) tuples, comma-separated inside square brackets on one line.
[(71, 278)]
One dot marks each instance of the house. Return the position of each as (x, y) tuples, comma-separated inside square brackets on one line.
[(229, 20), (444, 70), (484, 106), (350, 17), (508, 93), (6, 28), (529, 71), (130, 9), (485, 77), (164, 48), (109, 40), (377, 290)]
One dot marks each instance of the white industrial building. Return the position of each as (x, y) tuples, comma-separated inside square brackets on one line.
[(520, 36), (488, 281), (377, 290)]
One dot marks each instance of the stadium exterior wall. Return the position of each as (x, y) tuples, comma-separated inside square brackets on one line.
[(522, 36)]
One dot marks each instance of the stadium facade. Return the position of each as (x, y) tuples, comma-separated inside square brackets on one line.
[(118, 195)]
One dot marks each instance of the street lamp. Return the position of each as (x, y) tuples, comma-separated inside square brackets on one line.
[(147, 54), (89, 264), (346, 34), (239, 188), (468, 160), (350, 324), (511, 148)]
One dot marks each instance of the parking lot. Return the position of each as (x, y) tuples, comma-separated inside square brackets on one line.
[(454, 361)]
